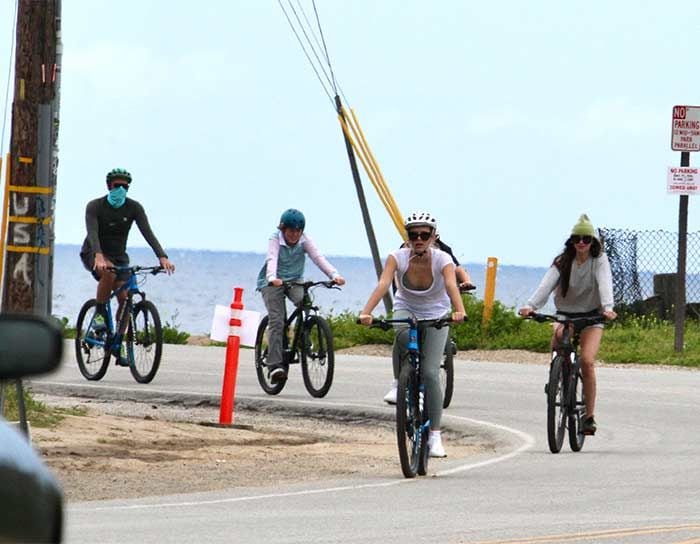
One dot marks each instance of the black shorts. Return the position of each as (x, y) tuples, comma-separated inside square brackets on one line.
[(118, 260)]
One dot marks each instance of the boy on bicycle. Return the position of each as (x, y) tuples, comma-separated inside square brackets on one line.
[(286, 256), (108, 220)]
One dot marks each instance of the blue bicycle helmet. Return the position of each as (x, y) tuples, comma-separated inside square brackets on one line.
[(292, 219)]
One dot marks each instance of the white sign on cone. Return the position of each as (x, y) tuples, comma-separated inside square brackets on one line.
[(683, 180), (685, 132), (220, 325)]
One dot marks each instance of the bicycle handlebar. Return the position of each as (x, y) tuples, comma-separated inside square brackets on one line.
[(329, 284), (584, 321), (134, 269), (386, 324)]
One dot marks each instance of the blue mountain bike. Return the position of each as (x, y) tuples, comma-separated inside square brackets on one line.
[(134, 338), (412, 418)]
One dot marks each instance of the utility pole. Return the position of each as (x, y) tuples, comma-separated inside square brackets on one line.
[(33, 156), (33, 165)]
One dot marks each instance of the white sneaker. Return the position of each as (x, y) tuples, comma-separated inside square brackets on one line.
[(390, 397), (435, 447)]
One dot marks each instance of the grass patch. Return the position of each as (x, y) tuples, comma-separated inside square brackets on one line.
[(38, 413)]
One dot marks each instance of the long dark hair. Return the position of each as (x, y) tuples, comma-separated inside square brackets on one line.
[(564, 260)]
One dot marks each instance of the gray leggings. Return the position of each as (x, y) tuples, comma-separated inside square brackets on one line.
[(275, 302), (432, 348)]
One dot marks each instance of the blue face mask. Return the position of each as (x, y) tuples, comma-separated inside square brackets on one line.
[(117, 197)]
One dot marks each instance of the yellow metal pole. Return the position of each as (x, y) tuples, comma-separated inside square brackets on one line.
[(3, 226), (489, 290), (370, 174), (394, 207)]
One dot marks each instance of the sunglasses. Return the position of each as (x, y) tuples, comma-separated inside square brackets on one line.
[(575, 238), (424, 235)]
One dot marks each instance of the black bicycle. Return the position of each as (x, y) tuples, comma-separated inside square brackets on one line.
[(447, 367), (566, 404), (412, 418), (311, 345), (137, 339)]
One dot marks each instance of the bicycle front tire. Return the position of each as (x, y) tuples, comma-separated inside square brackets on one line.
[(409, 427), (317, 357), (90, 352), (261, 347), (576, 409), (144, 341), (556, 406), (447, 374)]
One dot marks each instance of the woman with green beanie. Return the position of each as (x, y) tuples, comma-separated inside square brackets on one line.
[(581, 280)]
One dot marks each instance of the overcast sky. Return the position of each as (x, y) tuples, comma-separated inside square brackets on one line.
[(504, 119)]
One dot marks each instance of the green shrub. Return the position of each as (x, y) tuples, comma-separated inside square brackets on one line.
[(64, 324), (632, 339), (172, 334)]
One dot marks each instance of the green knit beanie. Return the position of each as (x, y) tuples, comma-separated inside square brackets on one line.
[(584, 227)]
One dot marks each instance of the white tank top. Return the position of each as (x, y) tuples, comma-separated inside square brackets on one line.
[(430, 303)]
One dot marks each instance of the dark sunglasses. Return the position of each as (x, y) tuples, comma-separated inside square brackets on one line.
[(424, 235), (575, 238)]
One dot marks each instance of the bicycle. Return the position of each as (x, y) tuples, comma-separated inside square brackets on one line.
[(311, 344), (139, 328), (412, 418), (447, 367), (564, 389)]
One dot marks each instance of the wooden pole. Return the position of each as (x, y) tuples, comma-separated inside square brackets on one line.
[(35, 69)]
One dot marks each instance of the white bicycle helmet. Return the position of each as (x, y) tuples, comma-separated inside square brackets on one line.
[(420, 219)]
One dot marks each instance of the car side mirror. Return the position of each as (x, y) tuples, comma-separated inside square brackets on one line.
[(29, 345)]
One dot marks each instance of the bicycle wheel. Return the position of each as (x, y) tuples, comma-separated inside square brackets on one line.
[(409, 427), (144, 339), (577, 407), (317, 358), (261, 347), (90, 343), (556, 407), (424, 418), (447, 373)]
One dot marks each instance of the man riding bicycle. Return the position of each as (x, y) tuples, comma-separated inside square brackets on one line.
[(108, 220)]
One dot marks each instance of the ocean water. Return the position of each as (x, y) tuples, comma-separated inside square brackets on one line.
[(204, 279)]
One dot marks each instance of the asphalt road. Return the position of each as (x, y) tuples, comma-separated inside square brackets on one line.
[(636, 481)]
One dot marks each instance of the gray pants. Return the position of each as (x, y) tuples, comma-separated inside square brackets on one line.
[(432, 349), (275, 302)]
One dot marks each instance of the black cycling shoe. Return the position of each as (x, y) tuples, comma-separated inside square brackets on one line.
[(589, 426), (277, 374), (119, 359)]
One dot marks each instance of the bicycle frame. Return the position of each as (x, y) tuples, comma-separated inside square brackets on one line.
[(298, 317), (131, 287)]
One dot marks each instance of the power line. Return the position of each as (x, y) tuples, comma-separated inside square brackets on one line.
[(308, 40), (336, 85), (313, 66)]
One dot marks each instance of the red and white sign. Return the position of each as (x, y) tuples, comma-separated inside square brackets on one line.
[(685, 134), (683, 180)]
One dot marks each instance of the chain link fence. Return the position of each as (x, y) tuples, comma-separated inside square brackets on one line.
[(644, 266)]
